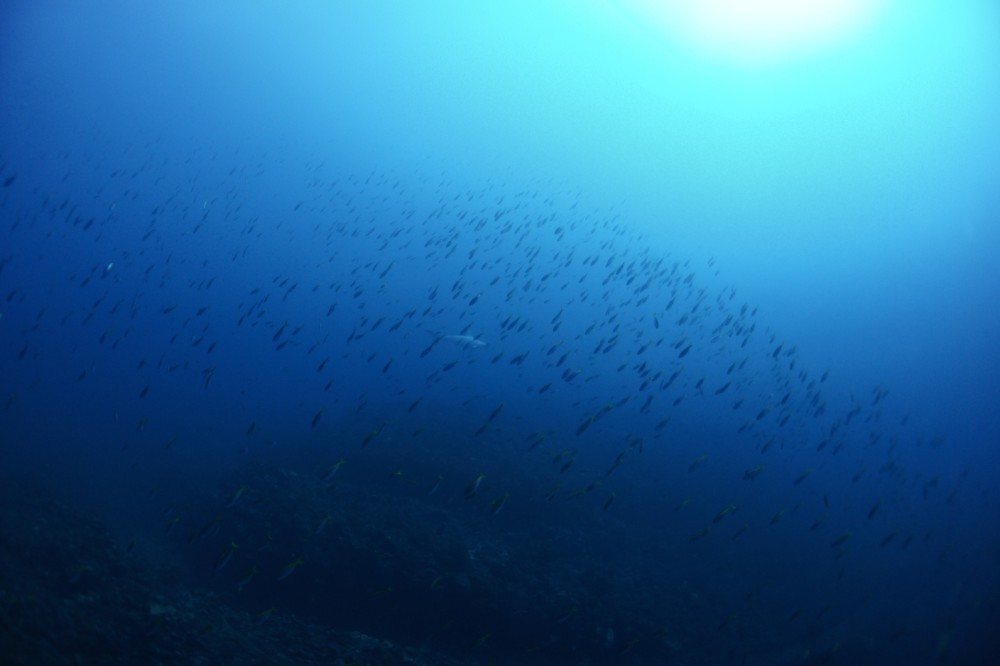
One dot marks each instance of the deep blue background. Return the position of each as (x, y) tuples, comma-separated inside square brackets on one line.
[(190, 190)]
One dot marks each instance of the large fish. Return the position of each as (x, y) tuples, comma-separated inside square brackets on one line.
[(466, 341)]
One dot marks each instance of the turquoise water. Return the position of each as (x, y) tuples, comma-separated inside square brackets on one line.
[(717, 329)]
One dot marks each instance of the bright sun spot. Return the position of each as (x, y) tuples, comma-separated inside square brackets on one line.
[(761, 32)]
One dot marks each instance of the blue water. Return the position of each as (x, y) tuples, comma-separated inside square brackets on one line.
[(720, 339)]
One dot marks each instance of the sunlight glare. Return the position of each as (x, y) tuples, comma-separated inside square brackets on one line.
[(760, 32)]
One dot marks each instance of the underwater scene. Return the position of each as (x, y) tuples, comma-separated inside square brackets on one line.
[(587, 332)]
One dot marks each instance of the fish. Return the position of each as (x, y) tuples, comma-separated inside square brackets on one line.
[(841, 540), (209, 529), (289, 569), (332, 470), (464, 341), (580, 492), (700, 534), (372, 434), (247, 577), (322, 524), (488, 249), (235, 497), (618, 461), (725, 512), (874, 509), (803, 476), (225, 556), (498, 504), (697, 462), (888, 538), (473, 488), (279, 332), (172, 524)]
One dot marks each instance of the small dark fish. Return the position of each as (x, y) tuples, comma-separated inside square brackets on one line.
[(874, 509), (803, 476), (841, 540)]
